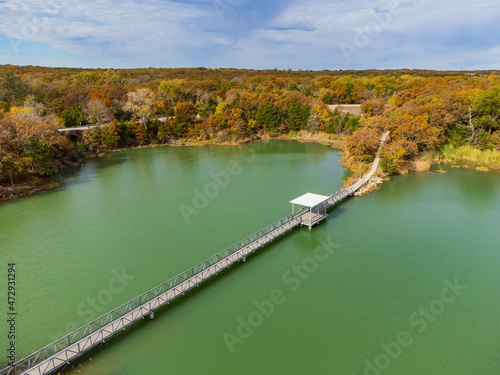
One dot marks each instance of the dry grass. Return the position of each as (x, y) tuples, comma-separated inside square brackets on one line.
[(482, 169), (334, 140), (421, 165), (469, 154), (429, 156)]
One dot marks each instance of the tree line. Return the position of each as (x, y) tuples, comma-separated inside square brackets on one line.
[(422, 109), (434, 112)]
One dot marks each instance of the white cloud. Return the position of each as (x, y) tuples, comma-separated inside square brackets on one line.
[(105, 27), (299, 34), (385, 34)]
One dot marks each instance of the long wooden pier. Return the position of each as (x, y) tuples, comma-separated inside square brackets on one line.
[(73, 345)]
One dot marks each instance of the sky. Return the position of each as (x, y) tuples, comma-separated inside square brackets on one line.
[(252, 34)]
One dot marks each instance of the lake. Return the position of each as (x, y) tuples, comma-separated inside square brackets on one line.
[(407, 283)]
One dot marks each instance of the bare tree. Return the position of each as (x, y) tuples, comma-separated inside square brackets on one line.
[(98, 112), (140, 103)]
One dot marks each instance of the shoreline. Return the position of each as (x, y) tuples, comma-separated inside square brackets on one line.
[(18, 191), (467, 164), (25, 189), (459, 158), (185, 143), (22, 190), (337, 142)]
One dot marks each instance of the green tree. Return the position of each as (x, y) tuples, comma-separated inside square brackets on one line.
[(41, 156), (487, 107), (4, 106), (111, 78), (12, 86), (87, 79), (268, 116), (94, 139), (297, 115), (171, 90), (351, 125), (387, 165), (212, 104), (73, 117)]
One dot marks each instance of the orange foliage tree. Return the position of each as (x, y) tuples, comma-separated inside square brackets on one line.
[(416, 131), (363, 144)]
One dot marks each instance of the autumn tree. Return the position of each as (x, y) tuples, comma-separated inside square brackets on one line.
[(380, 123), (78, 97), (231, 116), (94, 139), (396, 153), (363, 144), (86, 79), (102, 97), (11, 165), (112, 78), (374, 107), (241, 128), (417, 131), (165, 131), (28, 147), (30, 111), (185, 114), (171, 90), (11, 86), (141, 103), (220, 115)]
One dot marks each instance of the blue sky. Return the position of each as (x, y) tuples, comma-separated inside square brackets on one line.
[(260, 34)]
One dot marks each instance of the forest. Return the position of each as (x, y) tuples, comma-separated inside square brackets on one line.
[(450, 116)]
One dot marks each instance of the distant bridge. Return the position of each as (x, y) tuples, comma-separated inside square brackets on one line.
[(76, 133), (73, 345)]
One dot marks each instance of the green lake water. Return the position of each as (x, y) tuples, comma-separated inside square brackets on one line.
[(408, 282)]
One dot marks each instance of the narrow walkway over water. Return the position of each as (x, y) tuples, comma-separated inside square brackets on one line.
[(73, 345)]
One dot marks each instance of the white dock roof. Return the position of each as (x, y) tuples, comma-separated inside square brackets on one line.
[(310, 200)]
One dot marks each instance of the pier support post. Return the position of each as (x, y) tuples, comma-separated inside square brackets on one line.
[(152, 315), (244, 259)]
